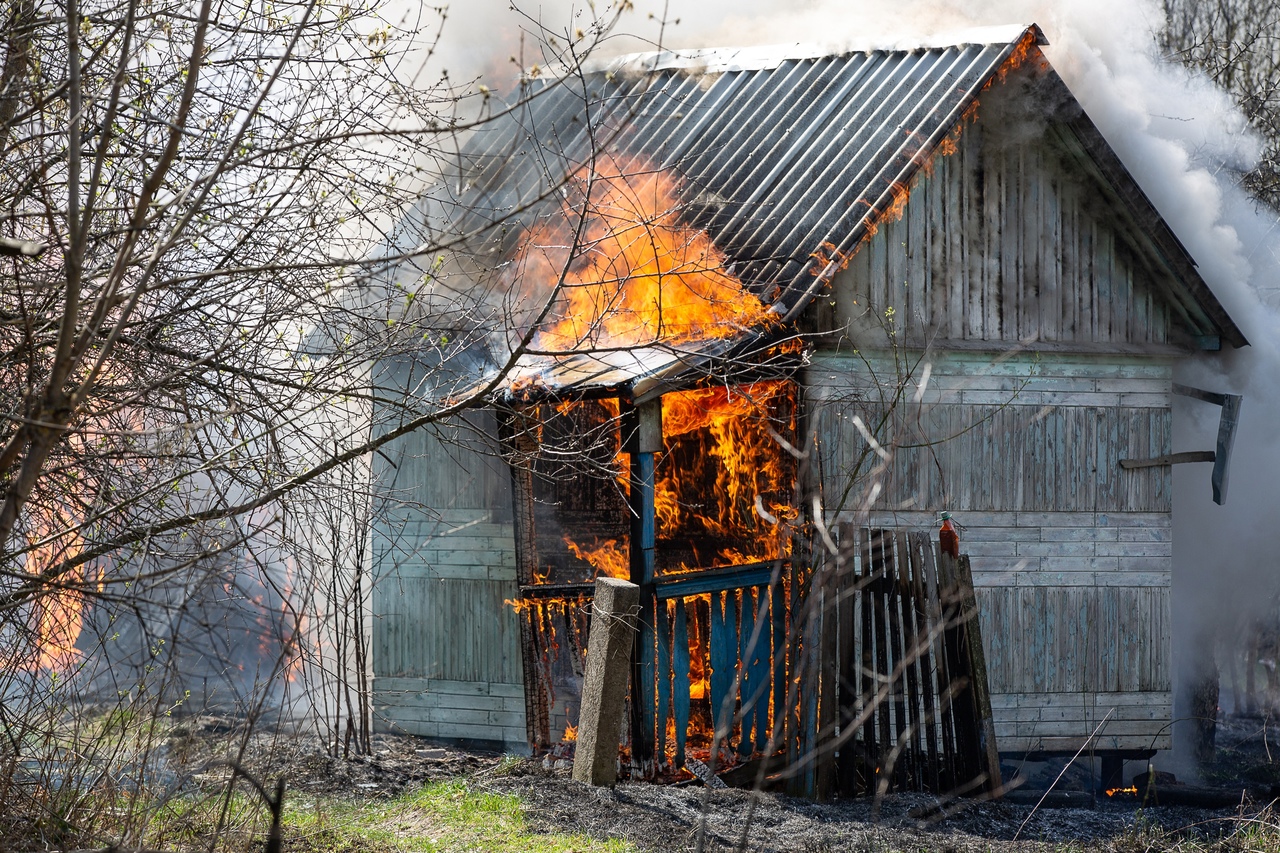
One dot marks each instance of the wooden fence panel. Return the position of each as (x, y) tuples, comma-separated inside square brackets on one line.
[(909, 657)]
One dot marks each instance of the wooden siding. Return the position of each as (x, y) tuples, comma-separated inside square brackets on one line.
[(1065, 549), (452, 709), (1052, 458), (1039, 441), (1053, 722), (1071, 555), (451, 629), (441, 621), (444, 469), (1074, 606), (445, 647), (1009, 238), (1047, 639)]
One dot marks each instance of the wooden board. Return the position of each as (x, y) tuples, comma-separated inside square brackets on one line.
[(1005, 243), (445, 648)]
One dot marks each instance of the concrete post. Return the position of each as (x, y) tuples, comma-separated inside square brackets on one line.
[(604, 686)]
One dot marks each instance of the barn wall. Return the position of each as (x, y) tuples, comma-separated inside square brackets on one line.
[(446, 654), (1071, 554), (1007, 239)]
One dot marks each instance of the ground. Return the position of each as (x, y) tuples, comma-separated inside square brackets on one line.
[(531, 804)]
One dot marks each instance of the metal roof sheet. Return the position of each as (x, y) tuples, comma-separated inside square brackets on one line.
[(779, 151)]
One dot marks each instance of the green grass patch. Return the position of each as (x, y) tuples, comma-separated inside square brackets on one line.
[(443, 816), (439, 818)]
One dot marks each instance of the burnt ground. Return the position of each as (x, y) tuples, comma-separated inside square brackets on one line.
[(664, 818)]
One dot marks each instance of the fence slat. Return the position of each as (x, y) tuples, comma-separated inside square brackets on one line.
[(760, 670), (746, 688), (680, 679), (662, 627), (866, 680), (778, 648), (910, 660), (923, 643)]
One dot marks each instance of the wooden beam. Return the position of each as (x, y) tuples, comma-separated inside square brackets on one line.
[(1199, 394), (978, 678), (1226, 439), (1171, 459), (1221, 457), (518, 436), (642, 439)]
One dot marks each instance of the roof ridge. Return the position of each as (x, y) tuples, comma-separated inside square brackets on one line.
[(764, 57)]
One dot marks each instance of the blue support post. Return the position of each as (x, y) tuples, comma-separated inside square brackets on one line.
[(642, 439)]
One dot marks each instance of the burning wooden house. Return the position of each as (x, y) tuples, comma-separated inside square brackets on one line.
[(799, 304)]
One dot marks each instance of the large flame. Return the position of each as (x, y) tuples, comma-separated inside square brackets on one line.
[(631, 273), (726, 475), (628, 273)]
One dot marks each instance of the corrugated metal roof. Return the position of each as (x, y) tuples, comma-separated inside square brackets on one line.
[(779, 154), (776, 158)]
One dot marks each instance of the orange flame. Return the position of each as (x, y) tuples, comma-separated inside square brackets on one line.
[(609, 558), (1025, 50), (737, 483), (57, 616), (570, 733), (699, 670), (630, 272), (1132, 789), (826, 255), (901, 194)]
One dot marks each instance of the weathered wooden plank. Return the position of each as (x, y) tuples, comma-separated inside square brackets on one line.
[(1072, 728), (762, 670), (918, 552), (938, 613), (937, 277), (1023, 247), (645, 431), (778, 647), (896, 657), (1080, 699), (746, 671), (1072, 744), (663, 673), (880, 637), (680, 682), (953, 321), (965, 711), (978, 683), (723, 648), (1080, 712), (866, 618), (917, 712)]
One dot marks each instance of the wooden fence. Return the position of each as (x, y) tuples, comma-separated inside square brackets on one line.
[(741, 651), (914, 713)]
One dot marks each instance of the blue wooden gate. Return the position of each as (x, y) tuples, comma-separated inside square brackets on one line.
[(713, 659)]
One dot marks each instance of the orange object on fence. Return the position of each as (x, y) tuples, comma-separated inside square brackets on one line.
[(948, 539)]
